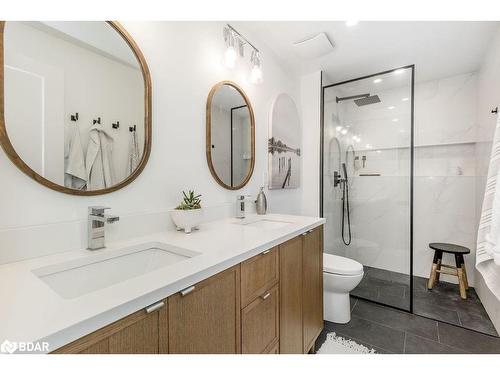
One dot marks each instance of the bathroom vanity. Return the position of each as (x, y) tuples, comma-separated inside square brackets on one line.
[(238, 286)]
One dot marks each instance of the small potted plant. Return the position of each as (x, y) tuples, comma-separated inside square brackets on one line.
[(188, 214)]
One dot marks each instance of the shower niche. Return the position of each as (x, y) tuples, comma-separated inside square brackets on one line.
[(367, 164)]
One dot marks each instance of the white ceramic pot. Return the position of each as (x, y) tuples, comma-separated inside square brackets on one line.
[(187, 220)]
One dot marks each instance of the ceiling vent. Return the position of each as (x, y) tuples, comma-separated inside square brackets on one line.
[(314, 47)]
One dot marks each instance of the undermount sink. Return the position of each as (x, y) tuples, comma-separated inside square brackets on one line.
[(81, 276), (265, 224)]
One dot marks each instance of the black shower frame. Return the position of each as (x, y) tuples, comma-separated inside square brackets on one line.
[(412, 125)]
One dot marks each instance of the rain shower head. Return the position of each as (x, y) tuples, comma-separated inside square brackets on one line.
[(371, 99)]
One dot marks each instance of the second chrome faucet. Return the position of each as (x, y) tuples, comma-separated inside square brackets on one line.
[(96, 226)]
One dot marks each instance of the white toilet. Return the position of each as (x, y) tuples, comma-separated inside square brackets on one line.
[(340, 276)]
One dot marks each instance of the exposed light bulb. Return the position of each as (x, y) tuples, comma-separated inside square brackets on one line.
[(377, 80), (343, 131), (230, 57), (338, 128), (256, 75), (404, 99), (350, 23)]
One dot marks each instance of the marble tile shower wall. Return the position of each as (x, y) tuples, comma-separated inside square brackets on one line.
[(444, 180)]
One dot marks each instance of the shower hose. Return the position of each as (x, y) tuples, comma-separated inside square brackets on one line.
[(346, 213)]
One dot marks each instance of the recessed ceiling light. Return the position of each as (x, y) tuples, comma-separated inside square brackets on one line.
[(405, 99), (350, 23), (399, 71), (377, 80), (391, 107), (395, 120)]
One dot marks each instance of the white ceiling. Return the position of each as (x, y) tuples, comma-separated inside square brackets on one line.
[(438, 49)]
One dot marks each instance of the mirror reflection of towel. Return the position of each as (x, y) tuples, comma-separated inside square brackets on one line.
[(133, 154), (75, 173), (100, 170)]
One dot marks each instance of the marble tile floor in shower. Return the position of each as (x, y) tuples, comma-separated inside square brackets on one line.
[(442, 303)]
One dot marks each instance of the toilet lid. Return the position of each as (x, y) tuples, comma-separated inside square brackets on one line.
[(341, 265)]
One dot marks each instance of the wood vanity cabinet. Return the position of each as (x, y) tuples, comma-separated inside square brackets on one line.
[(301, 292), (260, 297), (271, 303), (205, 318), (139, 333)]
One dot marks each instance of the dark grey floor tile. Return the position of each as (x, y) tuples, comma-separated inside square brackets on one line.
[(387, 275), (420, 345), (370, 332), (395, 301), (397, 319), (477, 323), (397, 290), (353, 301), (365, 292), (469, 341), (419, 284), (435, 311)]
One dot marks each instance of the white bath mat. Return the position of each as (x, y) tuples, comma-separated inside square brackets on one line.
[(340, 345)]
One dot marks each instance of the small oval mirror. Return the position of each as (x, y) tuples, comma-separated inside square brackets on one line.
[(230, 139)]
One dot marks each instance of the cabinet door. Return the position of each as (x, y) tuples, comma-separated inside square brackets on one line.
[(260, 323), (206, 317), (259, 274), (140, 333), (291, 297), (312, 284)]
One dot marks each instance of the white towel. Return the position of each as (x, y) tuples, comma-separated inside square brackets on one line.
[(100, 169), (488, 236), (75, 172), (133, 154)]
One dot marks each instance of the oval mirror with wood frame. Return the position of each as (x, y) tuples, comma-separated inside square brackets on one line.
[(230, 135), (75, 108)]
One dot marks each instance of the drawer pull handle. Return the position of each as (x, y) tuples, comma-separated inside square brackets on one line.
[(266, 252), (154, 307), (266, 295), (186, 291)]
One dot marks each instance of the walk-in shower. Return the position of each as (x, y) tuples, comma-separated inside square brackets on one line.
[(367, 178)]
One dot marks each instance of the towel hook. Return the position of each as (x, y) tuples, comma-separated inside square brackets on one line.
[(132, 128), (494, 110), (98, 121), (74, 117), (115, 125)]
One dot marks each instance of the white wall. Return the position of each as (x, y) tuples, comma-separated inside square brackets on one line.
[(488, 98), (185, 62), (310, 103)]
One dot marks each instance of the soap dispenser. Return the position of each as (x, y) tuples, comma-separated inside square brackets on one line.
[(261, 202)]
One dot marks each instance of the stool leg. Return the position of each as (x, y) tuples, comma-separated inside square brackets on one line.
[(462, 261), (461, 278), (438, 269), (432, 277), (436, 264)]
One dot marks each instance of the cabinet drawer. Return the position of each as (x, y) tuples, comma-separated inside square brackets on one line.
[(260, 323), (259, 274)]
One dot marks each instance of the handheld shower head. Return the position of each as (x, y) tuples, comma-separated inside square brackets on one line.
[(344, 169)]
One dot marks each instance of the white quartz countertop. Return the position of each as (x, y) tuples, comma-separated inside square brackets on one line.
[(31, 311)]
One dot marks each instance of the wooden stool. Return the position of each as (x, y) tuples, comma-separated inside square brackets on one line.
[(459, 270)]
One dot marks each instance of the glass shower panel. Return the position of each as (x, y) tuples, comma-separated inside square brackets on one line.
[(367, 176)]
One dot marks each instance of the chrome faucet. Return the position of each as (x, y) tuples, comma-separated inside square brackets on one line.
[(240, 206), (97, 219)]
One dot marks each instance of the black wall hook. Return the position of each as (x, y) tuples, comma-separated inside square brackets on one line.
[(98, 121), (494, 110), (74, 117), (132, 128), (116, 125)]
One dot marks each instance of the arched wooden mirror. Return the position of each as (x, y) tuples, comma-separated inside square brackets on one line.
[(75, 113), (230, 138)]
